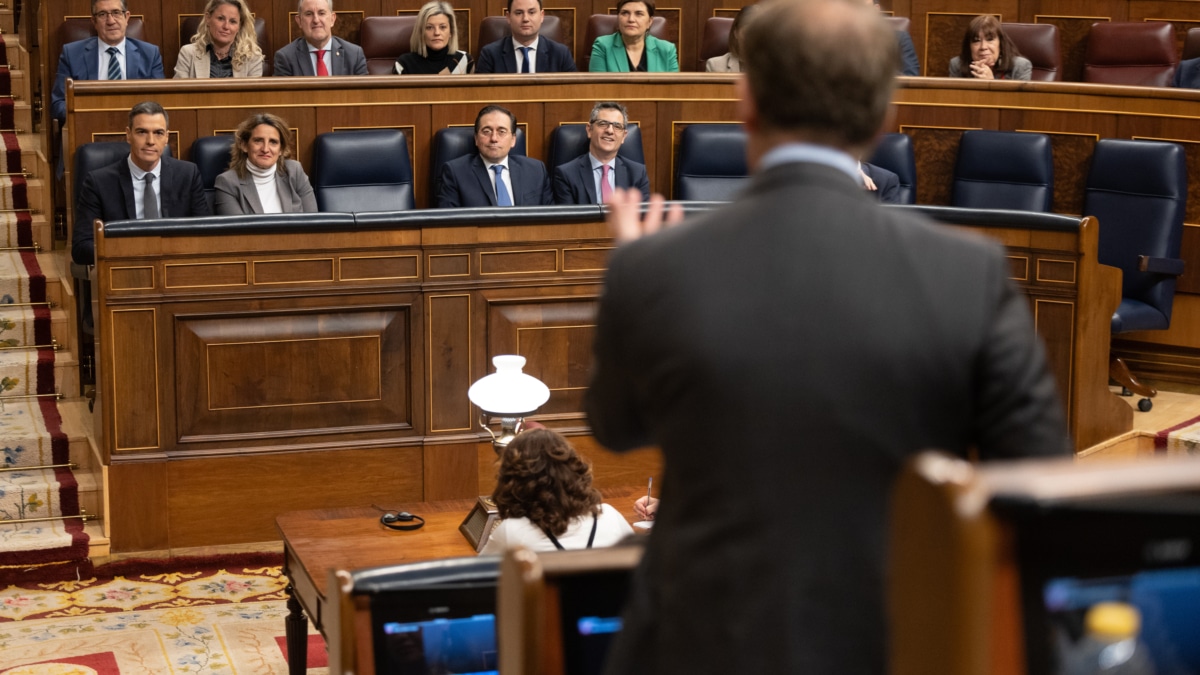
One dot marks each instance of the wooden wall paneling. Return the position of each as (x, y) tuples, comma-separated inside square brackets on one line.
[(133, 376), (201, 510), (448, 322), (452, 470), (138, 515), (1190, 250)]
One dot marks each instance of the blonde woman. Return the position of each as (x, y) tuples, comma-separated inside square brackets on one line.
[(434, 44), (225, 45)]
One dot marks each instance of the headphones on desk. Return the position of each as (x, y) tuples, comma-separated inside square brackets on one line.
[(402, 521)]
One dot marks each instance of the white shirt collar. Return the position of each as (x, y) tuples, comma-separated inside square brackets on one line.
[(596, 163), (488, 165), (325, 46), (532, 45), (120, 45), (138, 174)]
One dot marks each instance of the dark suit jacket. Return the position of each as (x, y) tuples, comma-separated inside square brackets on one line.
[(236, 196), (107, 194), (887, 184), (911, 65), (788, 352), (81, 61), (500, 57), (465, 182), (293, 59), (575, 181), (1188, 74)]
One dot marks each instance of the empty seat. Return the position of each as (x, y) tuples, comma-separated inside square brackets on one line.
[(384, 39), (188, 25), (711, 162), (716, 38), (606, 24), (895, 153), (454, 142), (366, 170), (1133, 53), (211, 154), (1004, 170), (1039, 43), (493, 28), (569, 141), (1191, 44)]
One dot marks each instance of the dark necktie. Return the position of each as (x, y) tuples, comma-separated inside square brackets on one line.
[(114, 64), (149, 199), (525, 59), (502, 198), (321, 69)]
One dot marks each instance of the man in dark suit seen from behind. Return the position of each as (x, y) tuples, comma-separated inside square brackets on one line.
[(591, 177), (494, 177), (525, 51), (143, 185), (318, 51), (884, 184), (788, 352)]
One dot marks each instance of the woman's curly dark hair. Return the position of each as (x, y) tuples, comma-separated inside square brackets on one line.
[(543, 479)]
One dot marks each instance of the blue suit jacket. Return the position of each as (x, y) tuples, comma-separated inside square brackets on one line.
[(887, 183), (575, 181), (908, 55), (107, 194), (81, 61), (1188, 74), (500, 57), (465, 182)]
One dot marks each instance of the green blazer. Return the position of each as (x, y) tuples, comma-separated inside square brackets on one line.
[(608, 55)]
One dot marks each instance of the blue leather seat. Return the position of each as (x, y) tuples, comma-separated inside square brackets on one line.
[(1004, 170), (895, 153), (711, 162), (367, 170), (454, 142), (1137, 190), (211, 154), (569, 141)]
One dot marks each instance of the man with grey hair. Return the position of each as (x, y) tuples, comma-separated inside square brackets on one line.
[(318, 51), (788, 352), (592, 177), (108, 55)]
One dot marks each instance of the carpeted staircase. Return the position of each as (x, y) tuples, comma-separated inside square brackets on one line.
[(50, 471)]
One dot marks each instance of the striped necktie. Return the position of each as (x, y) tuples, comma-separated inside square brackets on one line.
[(114, 64)]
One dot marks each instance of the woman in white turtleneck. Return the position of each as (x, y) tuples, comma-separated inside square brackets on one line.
[(261, 178)]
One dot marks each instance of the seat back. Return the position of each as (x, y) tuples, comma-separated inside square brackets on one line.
[(188, 26), (1191, 44), (1004, 170), (384, 39), (711, 162), (1138, 192), (569, 141), (211, 154), (606, 24), (1039, 43), (75, 28), (493, 28), (1131, 52), (454, 142), (895, 153), (366, 170), (716, 38)]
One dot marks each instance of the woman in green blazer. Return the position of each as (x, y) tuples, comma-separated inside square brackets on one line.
[(632, 48)]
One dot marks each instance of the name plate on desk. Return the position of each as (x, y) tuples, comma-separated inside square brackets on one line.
[(480, 522)]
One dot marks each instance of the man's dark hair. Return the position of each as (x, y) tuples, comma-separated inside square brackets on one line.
[(488, 109), (609, 105), (124, 8), (148, 108), (648, 3), (510, 2)]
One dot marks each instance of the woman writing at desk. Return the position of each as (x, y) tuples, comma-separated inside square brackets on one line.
[(546, 500)]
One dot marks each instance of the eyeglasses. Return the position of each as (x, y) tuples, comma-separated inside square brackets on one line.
[(114, 14), (605, 124)]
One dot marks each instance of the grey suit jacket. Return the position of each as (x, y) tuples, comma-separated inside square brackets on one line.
[(846, 336), (1022, 69), (293, 59), (575, 181), (195, 62), (236, 196)]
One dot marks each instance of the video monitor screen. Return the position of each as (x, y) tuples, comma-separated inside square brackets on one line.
[(436, 631), (591, 618)]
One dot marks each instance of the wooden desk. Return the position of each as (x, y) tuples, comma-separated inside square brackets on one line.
[(316, 543)]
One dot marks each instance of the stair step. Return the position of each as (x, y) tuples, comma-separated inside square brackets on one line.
[(23, 117)]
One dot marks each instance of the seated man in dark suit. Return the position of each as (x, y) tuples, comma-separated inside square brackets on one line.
[(1187, 75), (591, 177), (909, 63), (317, 51), (494, 177), (884, 183), (525, 51), (107, 56), (143, 185)]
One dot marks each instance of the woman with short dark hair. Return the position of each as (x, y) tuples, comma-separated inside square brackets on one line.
[(632, 49), (988, 54)]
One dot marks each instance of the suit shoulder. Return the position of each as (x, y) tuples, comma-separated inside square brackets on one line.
[(350, 47), (527, 161), (145, 46)]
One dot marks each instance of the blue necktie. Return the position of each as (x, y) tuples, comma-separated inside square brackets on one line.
[(114, 64), (502, 198), (525, 60)]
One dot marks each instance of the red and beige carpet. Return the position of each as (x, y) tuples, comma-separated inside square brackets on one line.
[(215, 616)]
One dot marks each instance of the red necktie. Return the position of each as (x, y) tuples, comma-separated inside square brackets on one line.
[(321, 69), (605, 188)]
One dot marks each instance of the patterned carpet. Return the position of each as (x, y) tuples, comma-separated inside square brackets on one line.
[(226, 619)]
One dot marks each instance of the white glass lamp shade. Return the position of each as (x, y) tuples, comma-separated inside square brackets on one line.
[(508, 392)]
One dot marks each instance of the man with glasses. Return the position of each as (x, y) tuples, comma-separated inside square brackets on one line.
[(525, 51), (592, 177), (494, 177), (107, 56), (143, 185)]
